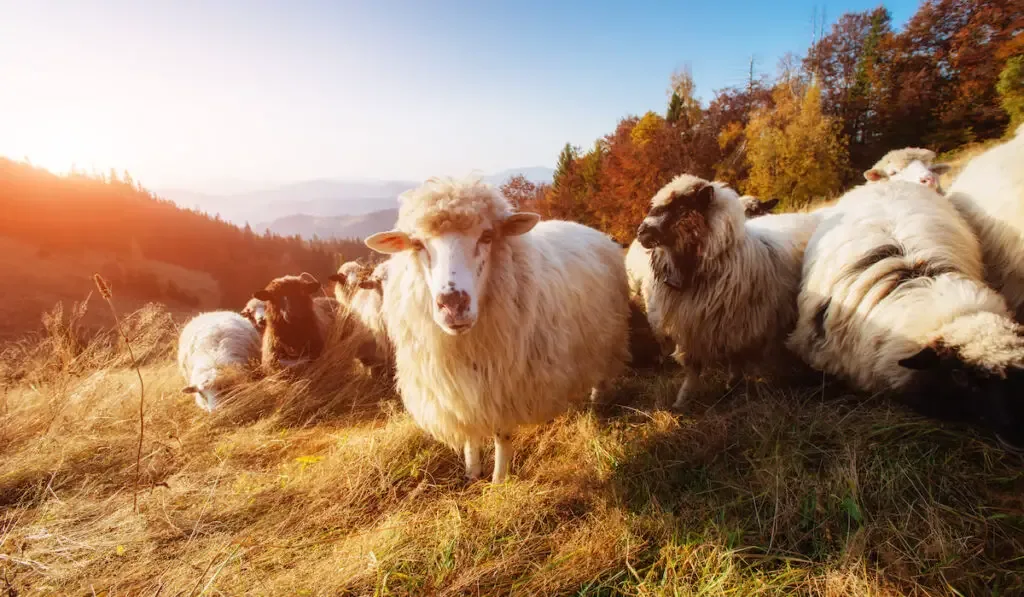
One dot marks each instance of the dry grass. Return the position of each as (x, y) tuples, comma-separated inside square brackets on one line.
[(322, 485)]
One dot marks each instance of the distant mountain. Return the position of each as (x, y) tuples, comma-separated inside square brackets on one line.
[(535, 174), (338, 227), (317, 198), (320, 207)]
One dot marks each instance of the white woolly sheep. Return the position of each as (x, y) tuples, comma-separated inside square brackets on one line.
[(892, 300), (989, 194), (911, 164), (362, 292), (722, 287), (209, 344), (297, 324), (497, 320), (348, 277)]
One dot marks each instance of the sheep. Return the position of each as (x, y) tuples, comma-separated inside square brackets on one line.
[(638, 258), (348, 279), (255, 312), (497, 320), (297, 325), (362, 292), (892, 300), (209, 344), (912, 164), (989, 194), (722, 287)]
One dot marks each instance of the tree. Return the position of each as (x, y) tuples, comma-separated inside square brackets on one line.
[(564, 165), (1011, 90), (519, 191), (795, 151), (675, 108)]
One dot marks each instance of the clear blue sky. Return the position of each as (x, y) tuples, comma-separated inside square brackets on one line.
[(187, 92)]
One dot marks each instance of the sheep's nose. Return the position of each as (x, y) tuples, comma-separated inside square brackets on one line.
[(647, 235), (455, 302)]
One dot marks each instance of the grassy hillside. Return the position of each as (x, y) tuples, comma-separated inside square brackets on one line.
[(56, 231), (326, 487)]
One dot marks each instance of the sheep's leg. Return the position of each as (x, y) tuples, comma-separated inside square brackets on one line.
[(691, 386), (502, 456), (474, 468)]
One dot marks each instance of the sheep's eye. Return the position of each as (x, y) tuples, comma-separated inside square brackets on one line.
[(486, 237)]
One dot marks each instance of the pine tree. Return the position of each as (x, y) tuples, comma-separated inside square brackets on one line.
[(675, 108), (564, 165)]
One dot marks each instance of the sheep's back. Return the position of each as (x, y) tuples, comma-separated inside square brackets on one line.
[(990, 194), (888, 265), (220, 337)]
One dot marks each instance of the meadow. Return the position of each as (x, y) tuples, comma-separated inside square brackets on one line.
[(323, 485)]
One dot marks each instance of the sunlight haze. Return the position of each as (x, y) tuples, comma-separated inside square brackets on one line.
[(234, 95)]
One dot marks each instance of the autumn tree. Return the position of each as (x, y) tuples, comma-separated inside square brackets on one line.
[(520, 191), (1011, 90), (795, 151)]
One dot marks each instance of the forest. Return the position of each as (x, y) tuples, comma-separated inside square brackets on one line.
[(952, 77), (114, 215)]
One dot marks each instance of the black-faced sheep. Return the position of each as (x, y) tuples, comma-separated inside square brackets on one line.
[(722, 287), (497, 320), (209, 344), (892, 300), (297, 325), (989, 194)]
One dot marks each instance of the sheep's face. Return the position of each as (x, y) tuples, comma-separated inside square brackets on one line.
[(916, 171), (351, 275), (676, 230), (455, 265), (256, 312), (961, 391), (288, 299)]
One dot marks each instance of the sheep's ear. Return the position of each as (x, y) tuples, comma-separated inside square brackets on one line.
[(927, 358), (939, 168), (336, 278), (519, 223), (769, 204), (874, 175), (262, 295), (389, 242), (189, 390)]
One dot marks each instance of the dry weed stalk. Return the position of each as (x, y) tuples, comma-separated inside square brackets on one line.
[(104, 289)]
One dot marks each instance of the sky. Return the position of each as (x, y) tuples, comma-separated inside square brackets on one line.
[(208, 95)]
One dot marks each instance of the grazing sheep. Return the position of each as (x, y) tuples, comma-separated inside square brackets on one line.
[(364, 298), (497, 320), (892, 300), (297, 325), (722, 287), (255, 312), (209, 344), (989, 194), (912, 164), (754, 207)]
